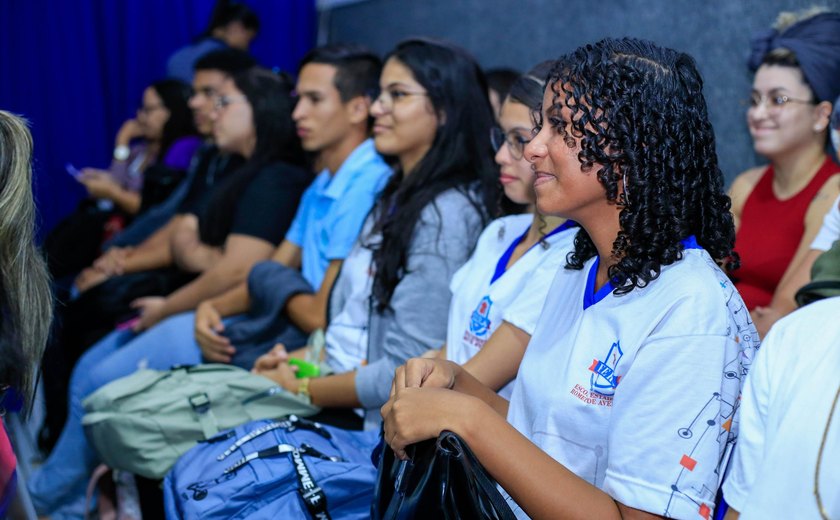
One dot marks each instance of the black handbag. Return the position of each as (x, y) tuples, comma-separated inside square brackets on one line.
[(442, 479)]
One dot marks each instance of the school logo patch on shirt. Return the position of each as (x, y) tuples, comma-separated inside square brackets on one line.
[(479, 321), (604, 379)]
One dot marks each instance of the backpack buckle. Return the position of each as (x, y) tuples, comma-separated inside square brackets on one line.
[(200, 403)]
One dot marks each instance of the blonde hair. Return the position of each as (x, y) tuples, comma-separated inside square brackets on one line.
[(25, 297)]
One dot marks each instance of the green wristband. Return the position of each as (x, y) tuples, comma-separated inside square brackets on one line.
[(305, 369)]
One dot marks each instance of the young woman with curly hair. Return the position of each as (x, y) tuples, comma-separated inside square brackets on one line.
[(624, 403)]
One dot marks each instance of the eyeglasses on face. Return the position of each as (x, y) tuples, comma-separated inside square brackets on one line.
[(773, 102), (516, 141), (222, 102), (394, 95)]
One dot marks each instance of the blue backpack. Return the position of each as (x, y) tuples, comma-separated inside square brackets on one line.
[(268, 469)]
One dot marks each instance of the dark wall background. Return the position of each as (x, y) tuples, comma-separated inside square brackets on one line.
[(76, 70), (521, 33)]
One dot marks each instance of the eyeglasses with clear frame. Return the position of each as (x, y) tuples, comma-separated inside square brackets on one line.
[(773, 103), (516, 141), (388, 97)]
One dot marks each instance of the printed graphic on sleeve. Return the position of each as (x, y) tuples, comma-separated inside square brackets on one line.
[(717, 420)]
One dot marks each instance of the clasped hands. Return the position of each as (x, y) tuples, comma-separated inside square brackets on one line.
[(275, 366), (423, 403)]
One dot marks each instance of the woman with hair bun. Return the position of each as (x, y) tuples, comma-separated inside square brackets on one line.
[(779, 208)]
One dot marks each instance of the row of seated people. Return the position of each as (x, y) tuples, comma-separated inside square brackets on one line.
[(390, 255)]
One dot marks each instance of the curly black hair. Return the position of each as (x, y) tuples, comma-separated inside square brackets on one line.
[(638, 114)]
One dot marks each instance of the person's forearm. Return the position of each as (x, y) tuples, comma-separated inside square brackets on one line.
[(233, 301), (161, 236), (307, 312), (211, 283), (147, 258), (336, 391), (467, 384), (128, 201), (544, 488), (797, 276)]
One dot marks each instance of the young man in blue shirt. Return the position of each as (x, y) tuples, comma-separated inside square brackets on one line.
[(332, 119)]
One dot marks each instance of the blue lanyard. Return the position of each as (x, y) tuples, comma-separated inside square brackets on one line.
[(501, 266)]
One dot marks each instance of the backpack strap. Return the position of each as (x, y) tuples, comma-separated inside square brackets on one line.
[(290, 424), (311, 493), (200, 404)]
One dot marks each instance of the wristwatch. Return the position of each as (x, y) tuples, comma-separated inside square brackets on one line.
[(121, 152), (303, 387)]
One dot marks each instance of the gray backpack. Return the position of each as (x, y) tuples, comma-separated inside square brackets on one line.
[(144, 422)]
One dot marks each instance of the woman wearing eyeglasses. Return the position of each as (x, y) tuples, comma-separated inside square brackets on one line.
[(246, 217), (161, 139), (778, 209), (392, 297), (511, 251)]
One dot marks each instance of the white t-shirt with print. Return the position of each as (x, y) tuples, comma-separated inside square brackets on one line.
[(638, 395), (784, 412), (478, 305), (830, 230)]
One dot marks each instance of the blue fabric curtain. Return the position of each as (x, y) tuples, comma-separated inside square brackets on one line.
[(76, 70)]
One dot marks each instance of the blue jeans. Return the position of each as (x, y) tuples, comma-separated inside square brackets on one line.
[(58, 487)]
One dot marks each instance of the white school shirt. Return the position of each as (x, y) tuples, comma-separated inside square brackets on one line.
[(784, 411), (638, 394), (478, 302), (830, 230), (346, 337)]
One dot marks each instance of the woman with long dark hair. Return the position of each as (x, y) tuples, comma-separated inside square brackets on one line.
[(392, 297), (246, 218), (624, 401)]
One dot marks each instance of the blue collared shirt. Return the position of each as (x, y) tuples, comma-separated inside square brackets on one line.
[(334, 208)]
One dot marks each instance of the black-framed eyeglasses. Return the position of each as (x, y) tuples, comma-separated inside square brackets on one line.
[(516, 141)]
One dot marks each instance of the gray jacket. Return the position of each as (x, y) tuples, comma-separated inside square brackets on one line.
[(443, 240)]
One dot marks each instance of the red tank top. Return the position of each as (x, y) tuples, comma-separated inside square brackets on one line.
[(769, 234)]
